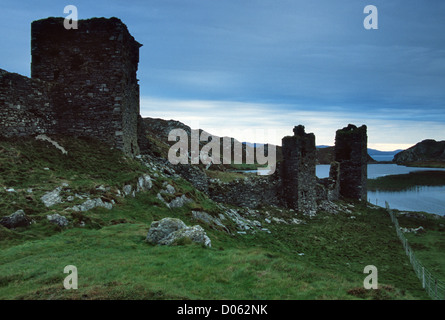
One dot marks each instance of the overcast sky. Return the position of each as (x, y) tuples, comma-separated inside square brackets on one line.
[(240, 67)]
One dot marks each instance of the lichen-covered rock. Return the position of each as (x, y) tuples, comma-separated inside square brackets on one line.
[(194, 233), (162, 200), (52, 198), (127, 189), (179, 202), (15, 220), (57, 219), (169, 189), (144, 183), (161, 229), (169, 230), (209, 220), (91, 204)]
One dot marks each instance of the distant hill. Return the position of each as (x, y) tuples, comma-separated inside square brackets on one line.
[(157, 131), (383, 155), (426, 153), (372, 152), (325, 155)]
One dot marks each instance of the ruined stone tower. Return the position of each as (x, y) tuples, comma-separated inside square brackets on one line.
[(298, 171), (351, 152), (93, 69)]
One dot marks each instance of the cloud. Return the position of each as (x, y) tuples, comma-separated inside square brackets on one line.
[(245, 121)]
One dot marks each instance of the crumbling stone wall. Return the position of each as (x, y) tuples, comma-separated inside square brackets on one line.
[(26, 107), (351, 153), (250, 192), (94, 67), (298, 171), (329, 188)]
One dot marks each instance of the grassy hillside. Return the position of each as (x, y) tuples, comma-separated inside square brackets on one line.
[(317, 258)]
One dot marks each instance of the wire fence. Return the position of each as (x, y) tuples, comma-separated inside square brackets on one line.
[(434, 287)]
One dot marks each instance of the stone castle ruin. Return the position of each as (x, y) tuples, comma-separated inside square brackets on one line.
[(298, 170), (295, 184), (83, 83)]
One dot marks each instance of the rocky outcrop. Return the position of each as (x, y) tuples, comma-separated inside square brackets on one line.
[(58, 220), (209, 220), (169, 231), (425, 151), (52, 198), (179, 202), (91, 204), (15, 220)]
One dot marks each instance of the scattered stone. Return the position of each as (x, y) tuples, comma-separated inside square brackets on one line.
[(144, 183), (15, 220), (52, 198), (297, 221), (257, 223), (279, 220), (57, 219), (162, 200), (418, 230), (209, 220), (91, 204), (179, 202), (241, 222), (127, 189)]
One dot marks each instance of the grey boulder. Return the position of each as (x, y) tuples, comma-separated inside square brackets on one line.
[(169, 230), (57, 219)]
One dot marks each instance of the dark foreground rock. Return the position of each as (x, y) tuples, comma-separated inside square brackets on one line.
[(15, 220)]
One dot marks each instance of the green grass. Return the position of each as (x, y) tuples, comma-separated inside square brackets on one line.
[(407, 181), (322, 258), (25, 163), (37, 165), (429, 246), (114, 262)]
